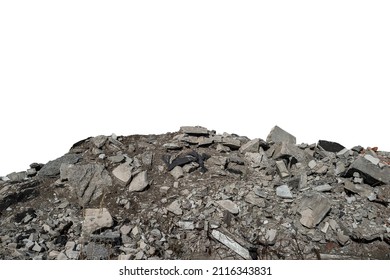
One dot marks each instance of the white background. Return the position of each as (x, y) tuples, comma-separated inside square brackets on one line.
[(74, 69)]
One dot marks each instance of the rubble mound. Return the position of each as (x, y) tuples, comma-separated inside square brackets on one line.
[(196, 194)]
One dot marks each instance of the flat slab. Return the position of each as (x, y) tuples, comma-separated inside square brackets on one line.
[(371, 173), (313, 208)]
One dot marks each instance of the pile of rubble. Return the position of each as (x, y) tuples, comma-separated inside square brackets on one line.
[(196, 194)]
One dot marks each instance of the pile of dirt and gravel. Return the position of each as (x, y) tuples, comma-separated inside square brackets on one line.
[(196, 194)]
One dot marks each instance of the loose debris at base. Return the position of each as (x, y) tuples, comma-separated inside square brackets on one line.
[(196, 194)]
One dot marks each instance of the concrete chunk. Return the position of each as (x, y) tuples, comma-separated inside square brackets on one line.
[(279, 135), (286, 150), (282, 169), (229, 206), (139, 183), (372, 173), (313, 208), (232, 143), (123, 172), (284, 192), (361, 189), (251, 146), (229, 242), (194, 130), (96, 219)]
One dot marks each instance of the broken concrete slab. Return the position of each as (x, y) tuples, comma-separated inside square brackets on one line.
[(228, 241), (278, 135), (232, 143), (175, 208), (96, 219), (194, 130), (251, 146), (371, 173), (289, 151), (252, 198), (361, 189), (140, 182), (313, 209), (99, 141), (177, 172)]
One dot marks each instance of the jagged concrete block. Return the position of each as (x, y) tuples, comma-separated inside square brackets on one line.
[(286, 150), (194, 130), (371, 173), (278, 135), (96, 219), (313, 208), (228, 240)]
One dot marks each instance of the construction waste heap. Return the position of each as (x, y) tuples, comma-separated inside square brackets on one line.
[(196, 194)]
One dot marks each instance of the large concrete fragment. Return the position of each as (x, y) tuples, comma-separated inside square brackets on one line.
[(361, 189), (371, 173), (194, 130), (232, 143), (278, 135), (313, 208), (286, 150), (95, 219), (282, 169), (251, 146), (229, 206), (229, 241), (89, 180)]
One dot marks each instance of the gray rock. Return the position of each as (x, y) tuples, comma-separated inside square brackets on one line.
[(282, 169), (255, 159), (373, 160), (139, 183), (186, 225), (17, 176), (175, 208), (177, 172), (286, 150), (123, 172), (95, 219), (172, 146), (229, 206), (313, 209), (361, 189), (323, 188), (194, 130), (283, 191), (278, 135), (89, 180), (228, 240), (117, 158), (52, 168), (31, 172), (251, 146), (252, 198), (147, 158), (373, 174), (94, 251), (312, 164), (205, 141), (232, 143), (99, 141)]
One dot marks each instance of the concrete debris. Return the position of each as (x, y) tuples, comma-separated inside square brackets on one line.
[(89, 180), (371, 173), (313, 208), (96, 219), (278, 135), (196, 194), (139, 183), (123, 173)]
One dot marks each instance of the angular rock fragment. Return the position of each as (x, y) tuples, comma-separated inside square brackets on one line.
[(228, 240), (361, 189), (371, 173), (282, 169), (95, 219), (284, 192), (251, 146), (252, 198), (17, 176), (229, 206), (278, 135), (175, 208), (291, 152), (123, 172), (89, 180), (139, 183), (52, 168), (232, 143), (194, 130), (177, 172), (99, 141), (313, 208)]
